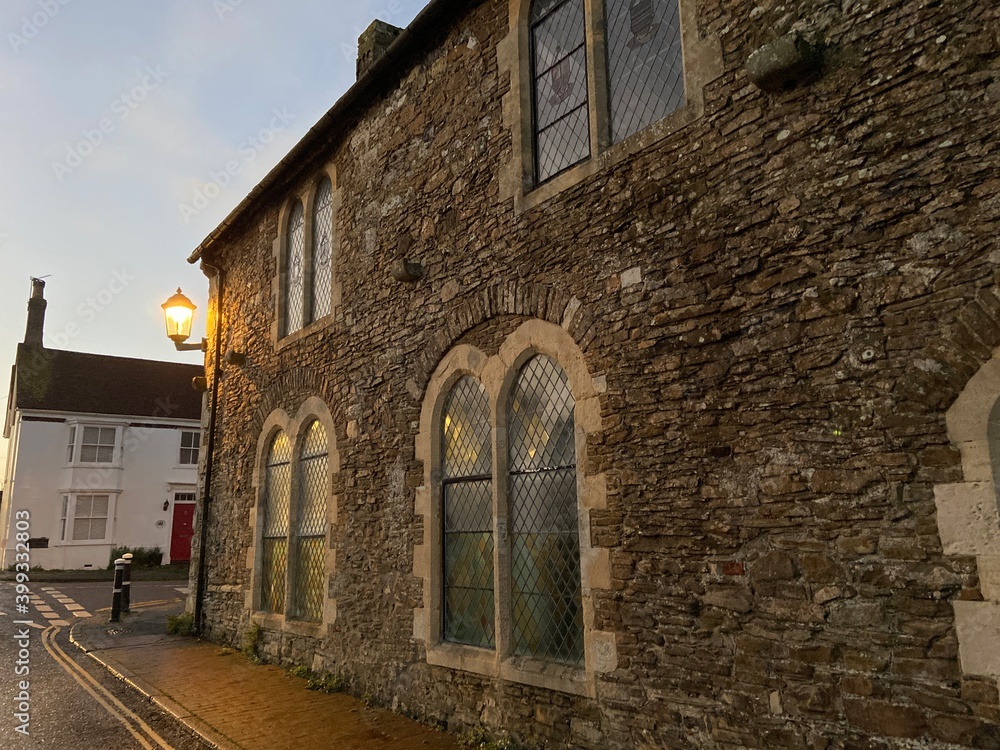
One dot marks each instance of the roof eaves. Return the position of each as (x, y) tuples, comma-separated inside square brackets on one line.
[(381, 74), (8, 420)]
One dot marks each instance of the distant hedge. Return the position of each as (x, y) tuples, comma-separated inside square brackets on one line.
[(142, 557)]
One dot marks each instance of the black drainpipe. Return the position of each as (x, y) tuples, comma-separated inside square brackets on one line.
[(206, 497)]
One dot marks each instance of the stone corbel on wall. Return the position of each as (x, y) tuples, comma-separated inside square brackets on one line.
[(783, 63)]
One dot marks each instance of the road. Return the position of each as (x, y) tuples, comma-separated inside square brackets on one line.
[(94, 596), (70, 701)]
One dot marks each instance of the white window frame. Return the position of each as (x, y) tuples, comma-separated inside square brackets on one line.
[(71, 447), (69, 517), (79, 429), (63, 517), (182, 448)]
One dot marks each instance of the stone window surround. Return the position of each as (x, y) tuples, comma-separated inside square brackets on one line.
[(280, 246), (968, 517), (702, 64), (497, 375), (313, 408)]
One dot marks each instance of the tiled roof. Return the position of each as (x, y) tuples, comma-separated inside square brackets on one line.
[(54, 380)]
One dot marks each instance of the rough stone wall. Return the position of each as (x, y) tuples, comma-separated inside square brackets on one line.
[(817, 282)]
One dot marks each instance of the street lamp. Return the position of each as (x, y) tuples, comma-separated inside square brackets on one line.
[(178, 312)]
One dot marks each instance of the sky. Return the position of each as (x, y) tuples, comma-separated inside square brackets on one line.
[(118, 120)]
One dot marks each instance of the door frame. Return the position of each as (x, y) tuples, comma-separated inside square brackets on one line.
[(174, 492)]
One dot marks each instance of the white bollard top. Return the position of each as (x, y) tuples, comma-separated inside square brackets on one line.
[(120, 561), (127, 557)]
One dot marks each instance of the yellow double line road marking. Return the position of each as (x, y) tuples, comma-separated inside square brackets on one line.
[(132, 722)]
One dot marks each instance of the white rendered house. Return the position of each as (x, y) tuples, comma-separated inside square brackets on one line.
[(103, 453)]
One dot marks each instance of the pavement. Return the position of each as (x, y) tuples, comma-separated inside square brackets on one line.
[(235, 704)]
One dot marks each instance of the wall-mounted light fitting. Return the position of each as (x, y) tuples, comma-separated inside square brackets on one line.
[(178, 311)]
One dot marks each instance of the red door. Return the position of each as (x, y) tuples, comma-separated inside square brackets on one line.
[(180, 538)]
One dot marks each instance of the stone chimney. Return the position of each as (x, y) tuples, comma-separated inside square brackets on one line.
[(36, 314), (373, 43)]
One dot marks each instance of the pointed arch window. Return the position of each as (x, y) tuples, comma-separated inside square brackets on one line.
[(538, 586), (546, 596), (467, 504), (309, 577), (295, 270), (294, 521), (277, 504), (322, 244)]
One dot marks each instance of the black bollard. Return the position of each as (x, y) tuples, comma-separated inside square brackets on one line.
[(116, 597), (127, 583)]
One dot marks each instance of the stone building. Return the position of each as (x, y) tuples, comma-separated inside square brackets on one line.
[(621, 373)]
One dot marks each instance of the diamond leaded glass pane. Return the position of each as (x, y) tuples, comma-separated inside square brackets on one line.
[(294, 291), (310, 559), (273, 564), (559, 74), (546, 596), (277, 502), (314, 482), (467, 505), (547, 621), (541, 418), (322, 271), (544, 501), (467, 431), (310, 577), (645, 66)]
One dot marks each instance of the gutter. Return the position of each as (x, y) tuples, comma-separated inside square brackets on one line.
[(436, 15), (206, 497)]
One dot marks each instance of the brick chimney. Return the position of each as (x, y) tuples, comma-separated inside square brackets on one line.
[(373, 43), (36, 314)]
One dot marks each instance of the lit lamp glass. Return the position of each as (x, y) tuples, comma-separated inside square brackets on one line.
[(178, 311)]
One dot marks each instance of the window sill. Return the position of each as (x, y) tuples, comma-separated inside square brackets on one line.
[(270, 621), (305, 332), (681, 117), (519, 669)]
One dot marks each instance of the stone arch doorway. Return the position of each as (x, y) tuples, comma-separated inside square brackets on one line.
[(968, 517)]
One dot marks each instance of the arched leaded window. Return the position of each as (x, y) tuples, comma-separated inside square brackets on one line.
[(322, 265), (467, 517), (559, 85), (310, 535), (295, 270), (513, 558), (645, 66), (546, 596), (277, 502)]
